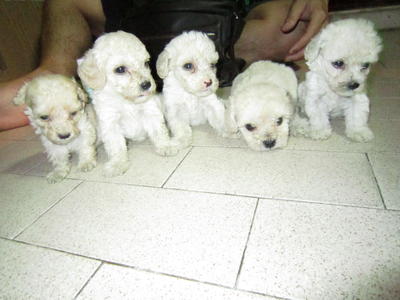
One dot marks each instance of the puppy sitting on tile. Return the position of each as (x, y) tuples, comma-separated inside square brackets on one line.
[(57, 108), (261, 105)]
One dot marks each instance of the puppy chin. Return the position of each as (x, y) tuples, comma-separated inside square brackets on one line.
[(141, 98)]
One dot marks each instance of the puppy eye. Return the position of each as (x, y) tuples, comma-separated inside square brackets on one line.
[(249, 127), (120, 70), (147, 64), (279, 121), (213, 66), (365, 66), (44, 117), (188, 66), (339, 64), (73, 114)]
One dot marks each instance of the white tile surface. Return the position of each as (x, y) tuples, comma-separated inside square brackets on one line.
[(23, 199), (312, 251), (193, 235), (29, 272), (296, 175), (146, 167), (113, 282), (19, 157), (387, 170)]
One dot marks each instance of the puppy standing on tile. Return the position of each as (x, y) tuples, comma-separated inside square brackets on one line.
[(339, 59), (116, 70), (261, 105), (57, 108), (187, 66)]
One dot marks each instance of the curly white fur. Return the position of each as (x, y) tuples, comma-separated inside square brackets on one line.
[(188, 67), (57, 109), (339, 59), (261, 105), (123, 91)]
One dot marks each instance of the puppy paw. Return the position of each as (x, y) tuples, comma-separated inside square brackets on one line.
[(87, 166), (360, 135), (320, 134), (115, 168), (231, 135), (168, 150), (56, 176)]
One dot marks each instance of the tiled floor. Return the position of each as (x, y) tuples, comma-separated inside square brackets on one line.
[(317, 220)]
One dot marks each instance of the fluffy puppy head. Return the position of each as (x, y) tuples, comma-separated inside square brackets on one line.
[(55, 104), (191, 58), (118, 62), (262, 115), (343, 53)]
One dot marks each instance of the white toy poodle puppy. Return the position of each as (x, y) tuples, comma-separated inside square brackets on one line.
[(261, 105), (339, 60), (187, 66), (57, 108), (116, 71)]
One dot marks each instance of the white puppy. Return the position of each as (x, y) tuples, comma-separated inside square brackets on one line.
[(339, 59), (117, 72), (188, 67), (262, 103), (56, 108)]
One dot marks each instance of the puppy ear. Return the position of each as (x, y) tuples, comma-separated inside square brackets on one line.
[(314, 47), (21, 98), (90, 72), (162, 64)]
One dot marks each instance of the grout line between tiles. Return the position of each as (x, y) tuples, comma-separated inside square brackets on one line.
[(172, 173), (247, 242), (376, 181), (89, 279), (48, 209)]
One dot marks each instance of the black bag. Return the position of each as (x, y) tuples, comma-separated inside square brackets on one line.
[(156, 22)]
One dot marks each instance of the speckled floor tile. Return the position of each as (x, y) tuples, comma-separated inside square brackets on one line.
[(296, 175), (199, 236), (29, 272), (19, 157), (312, 251), (24, 198), (114, 282), (146, 167), (387, 171), (386, 139)]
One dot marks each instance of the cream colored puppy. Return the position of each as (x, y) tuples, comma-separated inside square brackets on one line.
[(57, 108), (188, 67), (123, 91), (261, 105)]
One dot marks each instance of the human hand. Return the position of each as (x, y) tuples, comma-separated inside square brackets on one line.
[(315, 13)]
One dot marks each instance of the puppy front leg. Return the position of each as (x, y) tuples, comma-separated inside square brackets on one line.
[(181, 133), (356, 117), (158, 134), (230, 125), (215, 113), (117, 152), (59, 157), (87, 151), (318, 114)]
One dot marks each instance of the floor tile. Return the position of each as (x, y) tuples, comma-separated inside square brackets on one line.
[(386, 139), (205, 136), (29, 272), (387, 171), (19, 157), (200, 236), (24, 198), (312, 251), (146, 167), (385, 108), (295, 175), (114, 282)]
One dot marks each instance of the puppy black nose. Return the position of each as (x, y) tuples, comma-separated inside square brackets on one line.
[(64, 136), (145, 85), (269, 143), (353, 85), (208, 83)]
